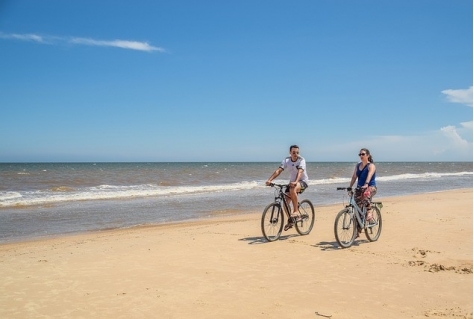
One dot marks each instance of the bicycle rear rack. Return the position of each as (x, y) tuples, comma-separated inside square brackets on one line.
[(378, 204)]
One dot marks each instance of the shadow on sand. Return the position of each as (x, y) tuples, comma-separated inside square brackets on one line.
[(262, 240)]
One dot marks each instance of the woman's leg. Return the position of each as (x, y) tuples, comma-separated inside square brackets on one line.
[(370, 192)]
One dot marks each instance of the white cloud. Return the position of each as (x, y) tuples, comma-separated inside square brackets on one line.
[(122, 44), (467, 125), (450, 143), (463, 96), (23, 37), (452, 134)]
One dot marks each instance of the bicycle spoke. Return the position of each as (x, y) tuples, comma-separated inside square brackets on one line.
[(272, 222), (347, 225), (374, 227), (345, 228), (305, 225)]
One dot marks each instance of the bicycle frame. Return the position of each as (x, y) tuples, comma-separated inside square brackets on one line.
[(361, 214), (282, 197), (353, 219), (273, 216)]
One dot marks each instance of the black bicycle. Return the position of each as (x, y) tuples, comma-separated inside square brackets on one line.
[(273, 219), (352, 220)]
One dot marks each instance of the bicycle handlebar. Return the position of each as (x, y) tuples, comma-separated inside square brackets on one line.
[(279, 185), (344, 189), (349, 189)]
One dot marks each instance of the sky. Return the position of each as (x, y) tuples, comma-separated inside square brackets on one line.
[(186, 80)]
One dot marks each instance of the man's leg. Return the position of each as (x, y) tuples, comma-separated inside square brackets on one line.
[(294, 196)]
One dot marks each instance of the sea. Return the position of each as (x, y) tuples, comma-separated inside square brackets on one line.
[(39, 200)]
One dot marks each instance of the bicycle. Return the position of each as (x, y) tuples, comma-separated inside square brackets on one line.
[(352, 220), (273, 220)]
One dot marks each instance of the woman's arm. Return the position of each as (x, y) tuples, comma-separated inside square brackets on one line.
[(370, 174)]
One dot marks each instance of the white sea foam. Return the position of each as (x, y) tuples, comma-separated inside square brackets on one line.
[(4, 196), (325, 181), (105, 192), (423, 176)]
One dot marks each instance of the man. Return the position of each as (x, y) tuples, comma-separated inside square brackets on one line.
[(296, 166)]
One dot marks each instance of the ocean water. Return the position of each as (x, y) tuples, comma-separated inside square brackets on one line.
[(50, 199)]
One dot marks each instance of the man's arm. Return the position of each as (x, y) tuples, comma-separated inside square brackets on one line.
[(274, 175), (298, 176)]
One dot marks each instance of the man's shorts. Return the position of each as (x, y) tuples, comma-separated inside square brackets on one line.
[(303, 187)]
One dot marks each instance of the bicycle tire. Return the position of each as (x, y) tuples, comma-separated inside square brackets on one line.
[(345, 228), (272, 221), (305, 225), (373, 230)]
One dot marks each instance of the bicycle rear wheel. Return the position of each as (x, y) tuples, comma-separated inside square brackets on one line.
[(345, 228), (304, 226), (374, 228), (272, 222)]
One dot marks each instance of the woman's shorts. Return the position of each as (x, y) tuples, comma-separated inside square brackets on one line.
[(364, 196)]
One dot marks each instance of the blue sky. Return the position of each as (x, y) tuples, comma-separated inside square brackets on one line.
[(216, 80)]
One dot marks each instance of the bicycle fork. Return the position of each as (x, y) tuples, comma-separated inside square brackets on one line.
[(275, 215)]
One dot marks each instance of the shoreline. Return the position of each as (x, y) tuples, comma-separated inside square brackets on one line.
[(213, 216), (420, 267)]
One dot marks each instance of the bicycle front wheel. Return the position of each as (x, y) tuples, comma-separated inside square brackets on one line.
[(272, 222), (374, 227), (304, 226), (345, 228)]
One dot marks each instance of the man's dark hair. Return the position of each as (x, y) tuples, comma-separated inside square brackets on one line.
[(294, 146)]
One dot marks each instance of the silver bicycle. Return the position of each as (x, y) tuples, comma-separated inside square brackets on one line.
[(352, 220)]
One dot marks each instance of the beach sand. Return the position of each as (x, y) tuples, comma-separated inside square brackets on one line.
[(421, 267)]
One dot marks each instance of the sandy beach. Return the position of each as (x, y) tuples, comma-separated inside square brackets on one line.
[(421, 267)]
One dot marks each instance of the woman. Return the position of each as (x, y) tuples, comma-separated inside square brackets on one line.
[(364, 172)]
